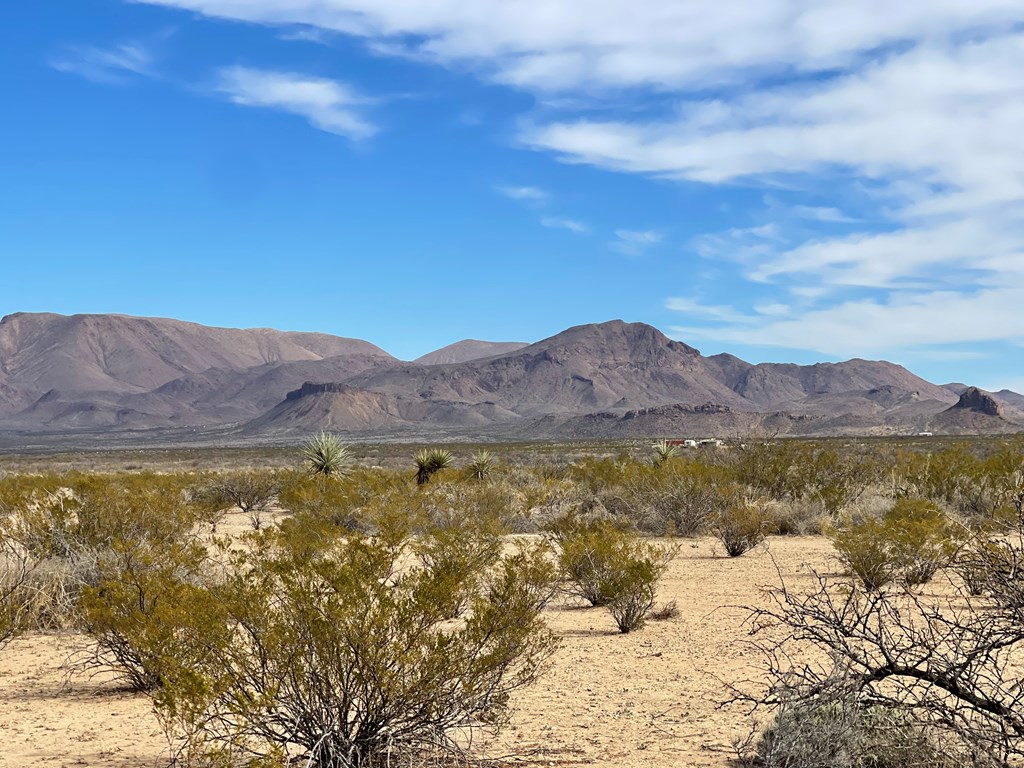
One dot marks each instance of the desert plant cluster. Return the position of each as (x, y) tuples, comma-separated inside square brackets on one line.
[(376, 616)]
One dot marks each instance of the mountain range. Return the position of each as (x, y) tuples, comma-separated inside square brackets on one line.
[(100, 374)]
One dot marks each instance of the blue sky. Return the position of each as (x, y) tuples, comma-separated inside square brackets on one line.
[(787, 180)]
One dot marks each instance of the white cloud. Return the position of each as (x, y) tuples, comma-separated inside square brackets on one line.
[(870, 327), (550, 45), (105, 65), (821, 213), (328, 105), (635, 242), (915, 107), (556, 222), (529, 194)]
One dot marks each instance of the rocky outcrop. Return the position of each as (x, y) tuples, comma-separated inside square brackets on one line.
[(979, 401)]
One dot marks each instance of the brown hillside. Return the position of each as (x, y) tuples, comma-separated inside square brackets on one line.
[(468, 349), (116, 353)]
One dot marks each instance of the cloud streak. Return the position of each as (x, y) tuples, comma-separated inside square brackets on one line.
[(527, 194), (112, 66), (632, 242), (557, 222), (328, 105)]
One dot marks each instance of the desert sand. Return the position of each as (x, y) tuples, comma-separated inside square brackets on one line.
[(650, 698)]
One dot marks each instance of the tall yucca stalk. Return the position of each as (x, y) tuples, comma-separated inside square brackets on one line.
[(326, 455)]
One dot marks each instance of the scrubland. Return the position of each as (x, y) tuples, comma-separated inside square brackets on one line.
[(787, 603)]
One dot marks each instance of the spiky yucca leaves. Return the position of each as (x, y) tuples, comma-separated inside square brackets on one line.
[(430, 461), (325, 455), (663, 451), (481, 465)]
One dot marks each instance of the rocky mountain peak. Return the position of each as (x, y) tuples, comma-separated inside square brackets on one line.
[(980, 401)]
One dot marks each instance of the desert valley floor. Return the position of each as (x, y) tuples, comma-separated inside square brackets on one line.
[(650, 698)]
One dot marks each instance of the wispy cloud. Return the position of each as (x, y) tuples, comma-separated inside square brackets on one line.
[(556, 222), (548, 46), (635, 242), (821, 213), (527, 194), (112, 66), (307, 34), (918, 115), (328, 105), (880, 326)]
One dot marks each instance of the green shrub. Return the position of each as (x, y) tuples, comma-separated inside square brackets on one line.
[(633, 586), (909, 543), (863, 548), (135, 612), (682, 498), (609, 566), (459, 559), (587, 555), (743, 526), (346, 658)]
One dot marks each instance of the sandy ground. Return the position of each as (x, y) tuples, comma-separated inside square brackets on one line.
[(649, 698)]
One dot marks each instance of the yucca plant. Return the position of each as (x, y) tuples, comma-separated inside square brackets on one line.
[(481, 465), (430, 461), (663, 451), (327, 456)]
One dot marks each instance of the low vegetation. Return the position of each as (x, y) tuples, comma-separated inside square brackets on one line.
[(380, 615)]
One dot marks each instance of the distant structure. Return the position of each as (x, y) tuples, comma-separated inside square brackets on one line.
[(691, 443)]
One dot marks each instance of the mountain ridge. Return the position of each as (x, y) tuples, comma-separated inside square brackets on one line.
[(115, 372)]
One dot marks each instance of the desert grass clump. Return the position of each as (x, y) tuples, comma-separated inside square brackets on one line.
[(430, 461), (667, 610), (743, 526), (326, 456), (838, 731)]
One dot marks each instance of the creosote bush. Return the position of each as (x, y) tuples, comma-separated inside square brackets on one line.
[(459, 557), (252, 491), (909, 543), (138, 609), (743, 526), (611, 567), (344, 656)]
